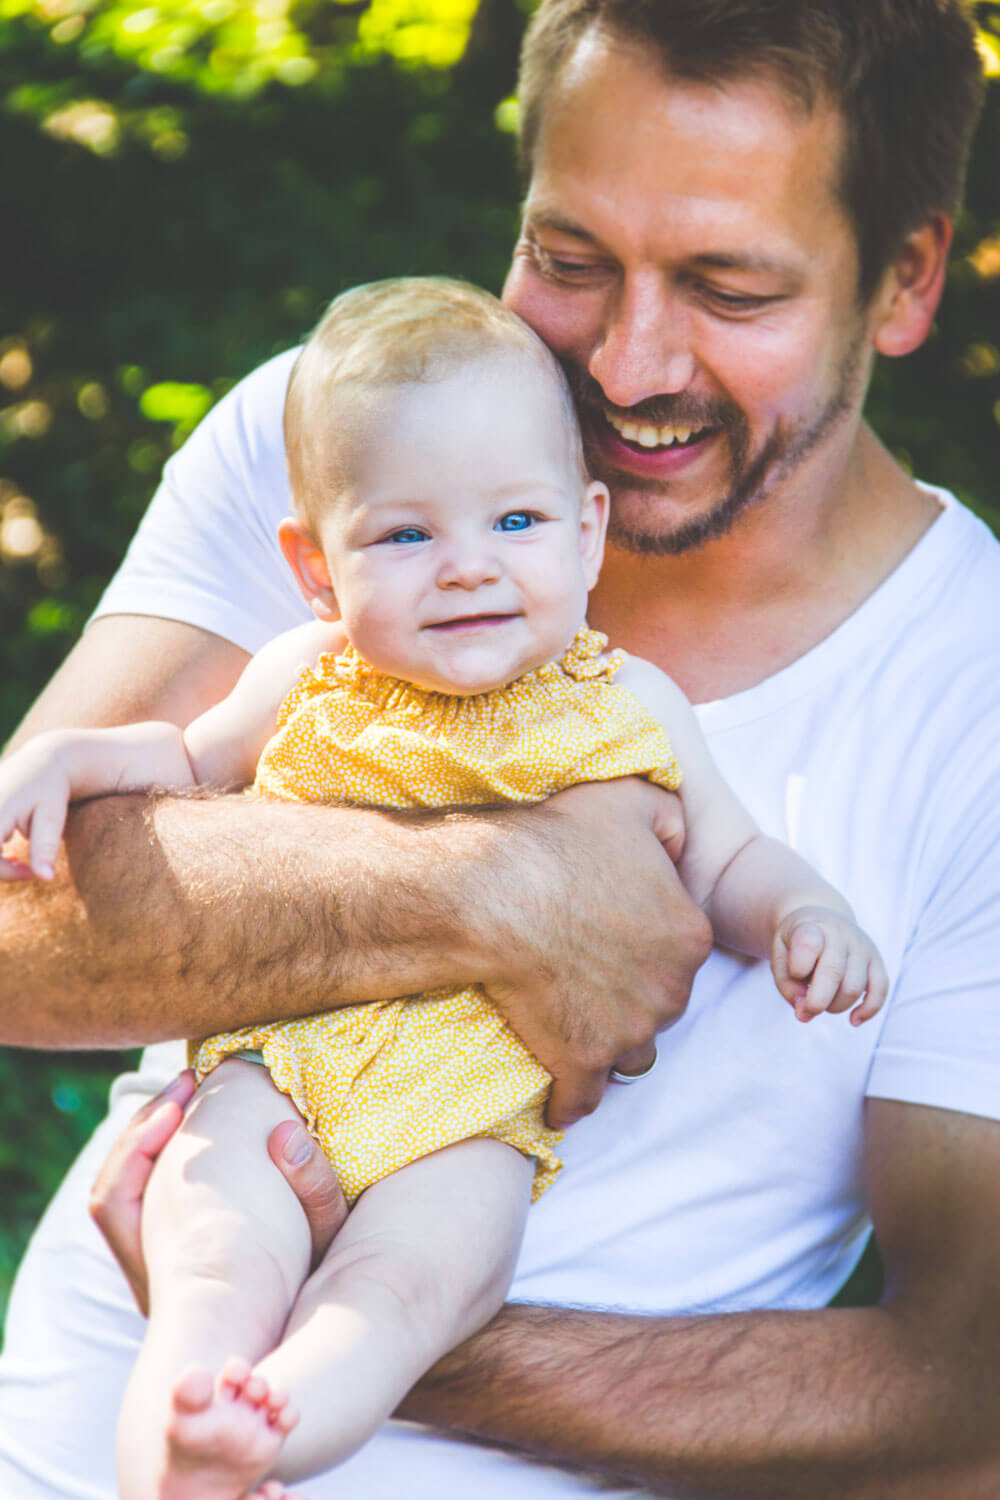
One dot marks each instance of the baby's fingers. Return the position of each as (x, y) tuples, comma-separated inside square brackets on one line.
[(47, 823), (805, 943), (877, 992), (827, 978), (854, 978), (12, 868), (790, 986)]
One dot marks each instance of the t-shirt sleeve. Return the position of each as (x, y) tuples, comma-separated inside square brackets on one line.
[(941, 1041), (206, 552)]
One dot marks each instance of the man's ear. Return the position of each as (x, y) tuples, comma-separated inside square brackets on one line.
[(593, 529), (306, 560), (905, 304)]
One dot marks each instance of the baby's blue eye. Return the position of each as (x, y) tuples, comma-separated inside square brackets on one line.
[(516, 520), (407, 534)]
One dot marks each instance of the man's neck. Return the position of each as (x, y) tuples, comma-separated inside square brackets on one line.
[(726, 616)]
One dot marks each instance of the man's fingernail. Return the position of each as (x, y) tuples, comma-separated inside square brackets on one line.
[(298, 1148), (176, 1086)]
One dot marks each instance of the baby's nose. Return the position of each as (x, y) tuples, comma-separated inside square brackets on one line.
[(468, 568)]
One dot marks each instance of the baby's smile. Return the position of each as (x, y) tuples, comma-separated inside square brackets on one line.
[(461, 624)]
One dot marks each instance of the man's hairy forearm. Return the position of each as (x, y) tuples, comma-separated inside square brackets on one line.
[(829, 1405), (179, 917)]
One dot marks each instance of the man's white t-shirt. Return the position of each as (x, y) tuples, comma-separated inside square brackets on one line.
[(731, 1178)]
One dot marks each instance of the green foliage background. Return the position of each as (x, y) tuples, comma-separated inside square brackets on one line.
[(185, 184)]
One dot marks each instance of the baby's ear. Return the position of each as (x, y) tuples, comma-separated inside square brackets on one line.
[(305, 558), (593, 529)]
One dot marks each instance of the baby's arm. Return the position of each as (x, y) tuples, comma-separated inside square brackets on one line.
[(225, 743), (38, 782), (760, 896)]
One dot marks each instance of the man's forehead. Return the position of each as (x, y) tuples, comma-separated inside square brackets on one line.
[(757, 101), (621, 141)]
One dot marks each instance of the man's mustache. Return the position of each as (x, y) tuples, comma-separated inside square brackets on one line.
[(681, 410)]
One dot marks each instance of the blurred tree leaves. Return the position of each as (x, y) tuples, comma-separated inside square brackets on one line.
[(186, 184), (168, 222)]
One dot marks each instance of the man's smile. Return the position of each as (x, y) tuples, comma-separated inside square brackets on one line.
[(646, 435), (645, 448)]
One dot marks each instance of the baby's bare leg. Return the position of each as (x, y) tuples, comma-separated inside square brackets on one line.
[(425, 1258), (227, 1248)]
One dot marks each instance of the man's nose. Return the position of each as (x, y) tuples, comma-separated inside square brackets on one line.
[(468, 566), (645, 346)]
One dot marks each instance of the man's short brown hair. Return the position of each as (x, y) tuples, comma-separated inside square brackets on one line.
[(905, 75)]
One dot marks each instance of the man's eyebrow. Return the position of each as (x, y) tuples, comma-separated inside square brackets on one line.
[(751, 261), (540, 217)]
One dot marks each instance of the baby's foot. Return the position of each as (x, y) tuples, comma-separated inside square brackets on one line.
[(223, 1436)]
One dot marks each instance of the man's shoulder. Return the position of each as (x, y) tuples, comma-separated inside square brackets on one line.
[(959, 609), (239, 448), (251, 413), (940, 677)]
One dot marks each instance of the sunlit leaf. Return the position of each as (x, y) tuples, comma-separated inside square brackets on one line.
[(174, 401)]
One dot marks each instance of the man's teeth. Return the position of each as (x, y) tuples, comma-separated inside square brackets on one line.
[(648, 436)]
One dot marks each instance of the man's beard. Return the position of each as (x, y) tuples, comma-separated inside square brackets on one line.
[(752, 477)]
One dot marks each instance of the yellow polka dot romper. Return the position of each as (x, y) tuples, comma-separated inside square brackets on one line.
[(382, 1084)]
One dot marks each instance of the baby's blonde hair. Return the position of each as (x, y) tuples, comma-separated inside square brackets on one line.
[(392, 333)]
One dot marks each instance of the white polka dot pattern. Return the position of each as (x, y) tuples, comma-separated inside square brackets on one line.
[(382, 1084)]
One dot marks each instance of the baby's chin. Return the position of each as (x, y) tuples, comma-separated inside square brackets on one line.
[(467, 657)]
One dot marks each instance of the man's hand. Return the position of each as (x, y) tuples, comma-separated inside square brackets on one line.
[(312, 1180), (599, 947), (116, 1198)]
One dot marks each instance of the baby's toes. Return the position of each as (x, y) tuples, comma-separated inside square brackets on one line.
[(284, 1420), (256, 1391), (194, 1390), (279, 1413), (233, 1378)]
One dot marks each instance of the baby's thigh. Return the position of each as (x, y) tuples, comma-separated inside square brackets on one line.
[(215, 1191), (72, 1334)]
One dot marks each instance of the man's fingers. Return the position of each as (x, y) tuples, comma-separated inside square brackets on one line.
[(312, 1180), (116, 1197), (123, 1177), (668, 821), (638, 1061), (575, 1093)]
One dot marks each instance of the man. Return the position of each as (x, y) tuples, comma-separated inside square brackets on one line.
[(732, 208)]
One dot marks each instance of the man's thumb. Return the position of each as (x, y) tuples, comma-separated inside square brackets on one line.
[(312, 1180)]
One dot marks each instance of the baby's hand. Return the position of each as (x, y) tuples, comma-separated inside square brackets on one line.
[(34, 796), (821, 960)]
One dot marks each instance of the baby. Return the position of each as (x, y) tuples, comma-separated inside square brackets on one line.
[(446, 536)]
